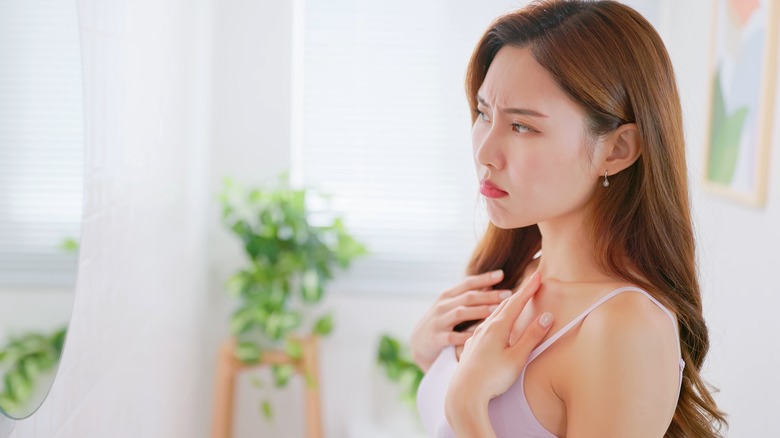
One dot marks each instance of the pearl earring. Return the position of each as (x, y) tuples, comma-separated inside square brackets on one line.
[(606, 181)]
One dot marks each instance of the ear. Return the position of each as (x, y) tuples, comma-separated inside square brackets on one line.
[(621, 149)]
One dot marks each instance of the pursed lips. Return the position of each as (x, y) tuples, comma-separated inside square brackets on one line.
[(490, 190)]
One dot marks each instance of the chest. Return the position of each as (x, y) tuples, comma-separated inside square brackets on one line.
[(545, 376)]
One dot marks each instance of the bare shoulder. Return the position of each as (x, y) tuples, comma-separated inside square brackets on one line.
[(629, 314), (627, 376)]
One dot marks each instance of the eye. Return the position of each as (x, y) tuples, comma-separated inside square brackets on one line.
[(520, 128), (482, 116)]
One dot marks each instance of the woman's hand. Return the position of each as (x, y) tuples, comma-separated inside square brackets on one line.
[(490, 363), (469, 300)]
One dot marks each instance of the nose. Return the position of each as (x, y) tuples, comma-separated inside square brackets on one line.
[(487, 147)]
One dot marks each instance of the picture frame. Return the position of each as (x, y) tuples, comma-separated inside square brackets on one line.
[(742, 91)]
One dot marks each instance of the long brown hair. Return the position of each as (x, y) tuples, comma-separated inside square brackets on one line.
[(610, 60)]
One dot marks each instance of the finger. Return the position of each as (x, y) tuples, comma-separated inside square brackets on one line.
[(455, 338), (531, 337), (477, 297), (461, 314), (518, 328), (473, 282), (495, 313), (514, 305), (444, 307)]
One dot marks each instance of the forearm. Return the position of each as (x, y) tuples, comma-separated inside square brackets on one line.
[(469, 419)]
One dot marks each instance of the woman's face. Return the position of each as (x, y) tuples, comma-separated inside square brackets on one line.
[(529, 142)]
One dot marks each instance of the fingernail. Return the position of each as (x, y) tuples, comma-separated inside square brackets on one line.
[(497, 274), (493, 307), (546, 319), (505, 294)]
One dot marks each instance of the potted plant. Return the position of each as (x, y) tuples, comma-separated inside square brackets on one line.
[(292, 250)]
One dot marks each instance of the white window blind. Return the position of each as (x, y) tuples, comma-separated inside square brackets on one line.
[(386, 130), (41, 140)]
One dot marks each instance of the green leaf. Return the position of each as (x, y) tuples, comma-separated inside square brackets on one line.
[(348, 250), (298, 202), (17, 385), (294, 349), (236, 283), (248, 352), (227, 211), (311, 286), (254, 196), (57, 340), (393, 370), (46, 361), (34, 342), (242, 321), (393, 356), (69, 245), (278, 324), (242, 230), (30, 367), (28, 356), (258, 247), (8, 403), (279, 292), (273, 327), (324, 325), (267, 410), (290, 262), (389, 349), (290, 320), (282, 374)]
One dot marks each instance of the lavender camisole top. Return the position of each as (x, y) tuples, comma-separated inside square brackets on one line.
[(510, 414)]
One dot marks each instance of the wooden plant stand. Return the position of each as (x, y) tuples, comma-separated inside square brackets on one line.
[(227, 370)]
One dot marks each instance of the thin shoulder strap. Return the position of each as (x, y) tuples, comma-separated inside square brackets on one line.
[(540, 349)]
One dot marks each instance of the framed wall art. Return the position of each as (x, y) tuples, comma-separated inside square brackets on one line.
[(742, 90)]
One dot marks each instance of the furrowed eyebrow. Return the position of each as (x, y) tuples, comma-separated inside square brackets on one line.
[(521, 111)]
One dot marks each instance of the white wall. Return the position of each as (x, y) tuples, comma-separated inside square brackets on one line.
[(131, 363), (250, 143), (738, 256)]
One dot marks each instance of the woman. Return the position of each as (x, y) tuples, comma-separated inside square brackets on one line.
[(578, 144)]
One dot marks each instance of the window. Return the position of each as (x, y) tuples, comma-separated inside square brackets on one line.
[(386, 129), (40, 144)]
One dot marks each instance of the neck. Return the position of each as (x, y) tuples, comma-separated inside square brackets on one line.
[(567, 252)]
